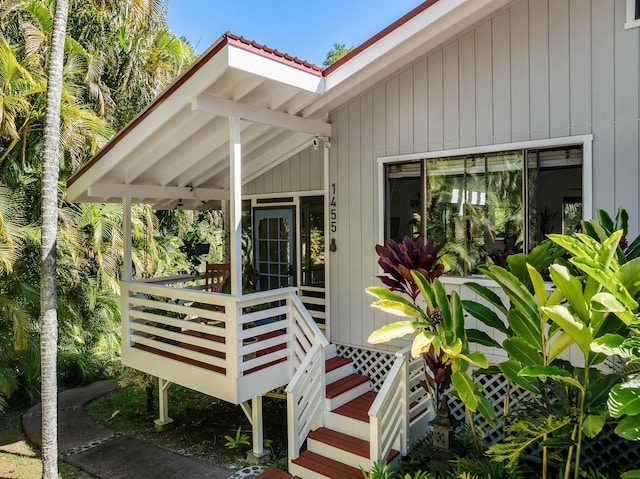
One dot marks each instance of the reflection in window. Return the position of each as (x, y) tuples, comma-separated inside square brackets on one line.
[(477, 204), (312, 240)]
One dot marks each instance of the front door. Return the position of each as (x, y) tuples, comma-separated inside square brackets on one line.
[(274, 235)]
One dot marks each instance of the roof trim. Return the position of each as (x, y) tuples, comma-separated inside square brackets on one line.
[(272, 53), (378, 36)]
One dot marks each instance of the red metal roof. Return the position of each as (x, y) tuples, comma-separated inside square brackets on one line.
[(272, 53)]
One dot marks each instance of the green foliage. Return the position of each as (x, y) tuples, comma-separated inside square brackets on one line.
[(240, 439), (441, 338), (336, 53)]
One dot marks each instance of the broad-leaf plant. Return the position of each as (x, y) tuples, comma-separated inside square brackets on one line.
[(441, 338), (591, 301)]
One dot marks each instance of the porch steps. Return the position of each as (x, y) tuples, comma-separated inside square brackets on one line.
[(346, 389), (315, 466), (340, 448)]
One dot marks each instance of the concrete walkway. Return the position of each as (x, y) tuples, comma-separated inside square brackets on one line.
[(112, 455)]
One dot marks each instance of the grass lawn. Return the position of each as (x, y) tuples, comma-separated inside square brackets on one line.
[(18, 458), (200, 424)]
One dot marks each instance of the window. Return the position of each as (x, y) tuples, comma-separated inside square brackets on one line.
[(633, 14), (312, 240), (485, 206)]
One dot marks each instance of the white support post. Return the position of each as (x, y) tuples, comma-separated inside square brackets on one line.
[(405, 436), (257, 454), (235, 230), (128, 262), (163, 420)]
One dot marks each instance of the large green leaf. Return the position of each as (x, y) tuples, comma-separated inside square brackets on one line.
[(572, 245), (609, 344), (608, 303), (629, 428), (383, 293), (599, 386), (607, 279), (481, 337), (392, 331), (518, 294), (629, 276), (466, 389), (571, 288), (575, 328), (511, 368), (526, 329), (559, 344), (476, 357), (625, 399), (553, 372), (425, 287), (538, 285), (487, 293), (485, 315), (457, 317), (593, 424), (518, 349), (442, 302), (486, 410), (400, 309), (635, 474), (421, 343)]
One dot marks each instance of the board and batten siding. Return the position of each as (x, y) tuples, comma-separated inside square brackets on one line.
[(539, 69), (302, 172)]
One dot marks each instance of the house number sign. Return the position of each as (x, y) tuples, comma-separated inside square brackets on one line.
[(333, 211)]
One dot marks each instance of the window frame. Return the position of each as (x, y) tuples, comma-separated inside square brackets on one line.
[(633, 14), (587, 167)]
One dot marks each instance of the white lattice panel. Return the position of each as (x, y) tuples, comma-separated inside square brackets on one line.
[(375, 364)]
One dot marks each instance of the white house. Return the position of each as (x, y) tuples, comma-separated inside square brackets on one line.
[(485, 123)]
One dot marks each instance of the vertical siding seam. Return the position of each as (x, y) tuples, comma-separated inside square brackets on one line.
[(569, 16), (548, 70), (475, 87)]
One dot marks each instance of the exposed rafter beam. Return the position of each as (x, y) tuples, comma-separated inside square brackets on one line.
[(228, 108), (101, 190)]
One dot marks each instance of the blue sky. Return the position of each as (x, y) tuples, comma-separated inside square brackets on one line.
[(291, 26)]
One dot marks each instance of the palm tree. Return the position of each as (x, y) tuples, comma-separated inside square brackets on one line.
[(48, 294)]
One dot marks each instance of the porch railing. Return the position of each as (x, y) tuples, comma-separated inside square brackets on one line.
[(388, 415), (306, 390), (226, 336)]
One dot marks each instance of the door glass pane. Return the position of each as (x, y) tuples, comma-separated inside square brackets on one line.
[(312, 240)]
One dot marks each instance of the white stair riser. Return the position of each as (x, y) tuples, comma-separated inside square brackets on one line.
[(330, 351), (339, 455), (346, 425), (347, 396), (305, 473), (339, 373)]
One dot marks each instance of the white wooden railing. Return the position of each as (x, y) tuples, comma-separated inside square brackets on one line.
[(306, 390), (184, 326), (388, 415)]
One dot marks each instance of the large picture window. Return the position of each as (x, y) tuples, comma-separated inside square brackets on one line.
[(485, 206)]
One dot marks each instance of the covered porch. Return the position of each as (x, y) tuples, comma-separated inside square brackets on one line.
[(218, 127)]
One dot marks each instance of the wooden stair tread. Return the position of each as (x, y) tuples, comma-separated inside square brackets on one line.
[(343, 385), (336, 362), (327, 467), (358, 408), (345, 442)]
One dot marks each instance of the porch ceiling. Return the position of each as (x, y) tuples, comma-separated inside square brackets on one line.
[(175, 154)]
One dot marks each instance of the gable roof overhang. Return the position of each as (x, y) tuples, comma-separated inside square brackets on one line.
[(176, 152)]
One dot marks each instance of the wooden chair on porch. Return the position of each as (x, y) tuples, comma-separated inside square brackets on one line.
[(215, 275)]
